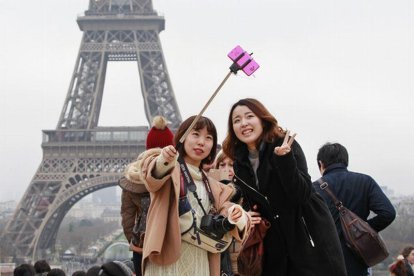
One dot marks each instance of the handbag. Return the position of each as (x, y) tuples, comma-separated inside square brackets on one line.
[(250, 259), (193, 234), (359, 236)]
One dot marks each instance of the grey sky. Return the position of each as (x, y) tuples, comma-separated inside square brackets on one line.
[(330, 71)]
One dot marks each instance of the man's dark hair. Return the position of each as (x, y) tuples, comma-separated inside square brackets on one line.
[(56, 272), (79, 273), (332, 153), (42, 266), (24, 270), (93, 271)]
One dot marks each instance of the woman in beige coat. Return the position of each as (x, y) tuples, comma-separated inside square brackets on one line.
[(164, 252)]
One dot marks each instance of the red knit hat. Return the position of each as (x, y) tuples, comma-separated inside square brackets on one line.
[(159, 135)]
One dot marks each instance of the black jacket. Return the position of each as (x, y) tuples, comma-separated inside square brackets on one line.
[(409, 268), (360, 194), (302, 239)]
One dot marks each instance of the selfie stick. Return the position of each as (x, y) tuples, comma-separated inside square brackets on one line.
[(241, 61)]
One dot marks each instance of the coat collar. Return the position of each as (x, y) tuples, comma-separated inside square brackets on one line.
[(335, 167), (242, 153)]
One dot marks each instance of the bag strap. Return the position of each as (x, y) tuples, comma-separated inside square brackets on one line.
[(187, 183), (325, 187), (246, 189), (184, 184)]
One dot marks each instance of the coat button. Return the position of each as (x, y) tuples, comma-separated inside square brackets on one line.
[(276, 217)]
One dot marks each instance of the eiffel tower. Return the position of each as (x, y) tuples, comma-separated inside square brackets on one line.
[(78, 156)]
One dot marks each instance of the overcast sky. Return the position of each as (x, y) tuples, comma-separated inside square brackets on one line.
[(337, 71)]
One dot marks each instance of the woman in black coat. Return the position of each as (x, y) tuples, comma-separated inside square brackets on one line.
[(302, 239), (408, 254)]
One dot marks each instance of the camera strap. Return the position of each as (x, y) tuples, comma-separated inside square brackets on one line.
[(187, 183)]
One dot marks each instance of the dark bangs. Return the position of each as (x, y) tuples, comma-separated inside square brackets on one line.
[(201, 123)]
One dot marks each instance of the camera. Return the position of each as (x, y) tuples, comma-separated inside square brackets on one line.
[(215, 225)]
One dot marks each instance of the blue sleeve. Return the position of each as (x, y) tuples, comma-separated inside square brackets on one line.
[(379, 203)]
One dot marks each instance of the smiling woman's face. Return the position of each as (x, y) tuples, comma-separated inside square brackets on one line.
[(247, 126), (197, 146)]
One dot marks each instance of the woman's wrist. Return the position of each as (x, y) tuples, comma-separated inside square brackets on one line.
[(162, 166), (242, 221)]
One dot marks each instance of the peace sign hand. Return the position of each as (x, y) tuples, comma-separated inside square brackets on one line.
[(286, 146)]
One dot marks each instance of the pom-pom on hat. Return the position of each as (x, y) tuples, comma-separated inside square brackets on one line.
[(159, 135)]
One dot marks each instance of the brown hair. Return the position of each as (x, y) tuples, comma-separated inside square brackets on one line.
[(201, 123), (398, 268), (271, 128), (219, 158), (406, 251)]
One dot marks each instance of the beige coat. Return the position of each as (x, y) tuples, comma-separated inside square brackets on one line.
[(163, 237)]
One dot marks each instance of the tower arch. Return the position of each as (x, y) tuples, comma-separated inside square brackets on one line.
[(78, 156)]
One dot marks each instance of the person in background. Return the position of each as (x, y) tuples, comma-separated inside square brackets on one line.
[(225, 165), (397, 268), (302, 239), (408, 258), (223, 170), (24, 270), (56, 272), (115, 268), (358, 192), (79, 273), (93, 271), (165, 253), (135, 197), (42, 267)]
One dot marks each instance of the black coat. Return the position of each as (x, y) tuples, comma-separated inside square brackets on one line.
[(360, 194), (409, 268), (302, 239)]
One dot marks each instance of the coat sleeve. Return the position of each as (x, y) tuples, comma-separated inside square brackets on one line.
[(293, 171), (222, 195), (128, 213), (381, 206), (154, 179)]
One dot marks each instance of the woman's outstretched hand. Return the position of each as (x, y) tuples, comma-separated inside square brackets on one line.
[(169, 153), (286, 146)]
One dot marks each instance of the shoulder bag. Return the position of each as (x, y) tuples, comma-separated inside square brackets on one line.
[(359, 236)]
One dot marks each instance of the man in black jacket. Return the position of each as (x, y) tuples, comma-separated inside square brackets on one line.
[(358, 192)]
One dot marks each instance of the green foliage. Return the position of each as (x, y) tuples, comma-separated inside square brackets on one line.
[(80, 234)]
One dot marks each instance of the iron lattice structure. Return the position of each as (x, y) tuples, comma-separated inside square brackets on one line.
[(78, 156)]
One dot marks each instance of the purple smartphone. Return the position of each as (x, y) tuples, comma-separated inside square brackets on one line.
[(243, 60), (251, 67), (235, 53)]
